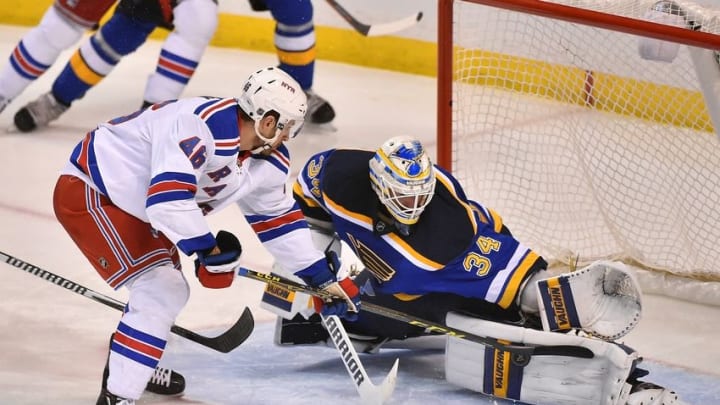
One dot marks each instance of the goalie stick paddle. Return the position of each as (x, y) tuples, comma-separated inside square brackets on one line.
[(369, 392), (373, 30), (521, 354), (223, 343)]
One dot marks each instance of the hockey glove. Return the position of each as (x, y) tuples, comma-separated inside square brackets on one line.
[(322, 275), (215, 268)]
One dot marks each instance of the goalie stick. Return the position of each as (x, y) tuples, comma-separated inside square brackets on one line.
[(372, 30), (223, 343), (521, 355), (369, 392)]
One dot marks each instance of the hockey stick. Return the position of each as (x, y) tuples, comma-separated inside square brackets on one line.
[(372, 30), (521, 354), (369, 392), (223, 343)]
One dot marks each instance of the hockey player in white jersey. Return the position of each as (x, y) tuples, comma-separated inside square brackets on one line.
[(192, 24), (431, 252), (137, 188), (61, 26)]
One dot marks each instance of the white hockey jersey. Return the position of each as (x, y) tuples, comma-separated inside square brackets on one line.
[(174, 162)]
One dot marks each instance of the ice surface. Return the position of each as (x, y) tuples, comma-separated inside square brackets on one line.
[(53, 343)]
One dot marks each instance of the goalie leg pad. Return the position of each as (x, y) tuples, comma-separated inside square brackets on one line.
[(603, 299), (546, 379), (300, 331)]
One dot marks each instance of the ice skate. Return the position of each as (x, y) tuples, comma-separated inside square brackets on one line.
[(645, 393), (3, 103), (165, 381), (107, 398), (319, 110), (39, 113)]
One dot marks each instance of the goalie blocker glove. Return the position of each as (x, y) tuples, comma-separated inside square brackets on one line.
[(217, 270)]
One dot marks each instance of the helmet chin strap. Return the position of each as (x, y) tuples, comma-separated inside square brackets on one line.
[(268, 142)]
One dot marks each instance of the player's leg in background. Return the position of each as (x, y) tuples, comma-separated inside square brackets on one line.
[(195, 23), (94, 59), (295, 44), (36, 52)]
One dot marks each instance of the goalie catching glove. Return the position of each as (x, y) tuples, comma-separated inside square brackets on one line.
[(322, 274), (215, 268), (602, 299)]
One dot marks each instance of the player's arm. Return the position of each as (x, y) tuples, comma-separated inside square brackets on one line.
[(283, 230), (179, 158)]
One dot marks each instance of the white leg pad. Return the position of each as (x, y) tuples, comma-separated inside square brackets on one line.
[(559, 380)]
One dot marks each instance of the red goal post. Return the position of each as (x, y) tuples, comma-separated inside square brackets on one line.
[(548, 113)]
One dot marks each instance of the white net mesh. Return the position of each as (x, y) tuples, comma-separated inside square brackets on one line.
[(586, 149)]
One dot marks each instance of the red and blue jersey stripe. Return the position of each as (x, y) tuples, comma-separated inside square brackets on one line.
[(171, 186), (83, 157), (279, 158), (270, 227)]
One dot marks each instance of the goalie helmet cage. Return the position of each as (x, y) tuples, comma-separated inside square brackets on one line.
[(548, 114)]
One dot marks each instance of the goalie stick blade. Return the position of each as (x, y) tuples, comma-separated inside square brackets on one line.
[(228, 340), (379, 394), (369, 392)]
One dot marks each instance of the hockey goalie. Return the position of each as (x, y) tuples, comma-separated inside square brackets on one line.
[(429, 251)]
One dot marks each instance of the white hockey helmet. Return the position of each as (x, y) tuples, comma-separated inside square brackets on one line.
[(271, 89), (402, 176)]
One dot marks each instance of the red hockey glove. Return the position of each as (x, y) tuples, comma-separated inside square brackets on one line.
[(217, 270)]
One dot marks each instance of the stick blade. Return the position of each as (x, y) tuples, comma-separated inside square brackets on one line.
[(379, 394), (392, 27), (228, 340), (238, 333)]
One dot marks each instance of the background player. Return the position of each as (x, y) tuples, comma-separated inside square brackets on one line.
[(184, 157), (61, 26), (295, 44), (192, 24), (431, 252)]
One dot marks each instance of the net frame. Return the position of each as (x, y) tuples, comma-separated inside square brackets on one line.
[(655, 278)]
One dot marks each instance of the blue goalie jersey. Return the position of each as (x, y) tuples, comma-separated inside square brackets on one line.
[(457, 246)]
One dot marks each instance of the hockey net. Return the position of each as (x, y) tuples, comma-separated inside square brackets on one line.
[(548, 114)]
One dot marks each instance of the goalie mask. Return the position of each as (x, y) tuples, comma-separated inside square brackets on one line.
[(403, 178), (271, 89)]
